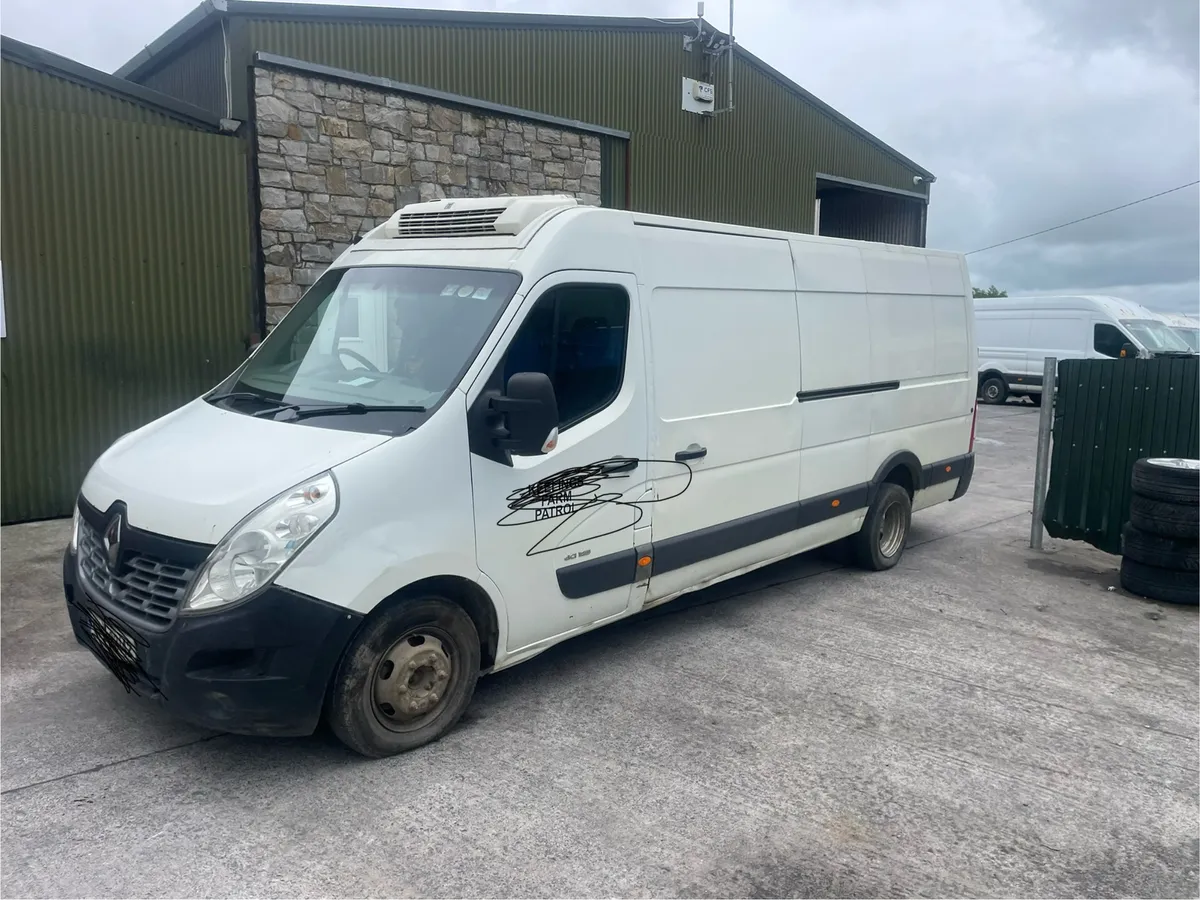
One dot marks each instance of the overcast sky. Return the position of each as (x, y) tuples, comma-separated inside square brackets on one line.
[(1030, 113)]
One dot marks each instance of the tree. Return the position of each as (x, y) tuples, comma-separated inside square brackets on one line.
[(992, 291)]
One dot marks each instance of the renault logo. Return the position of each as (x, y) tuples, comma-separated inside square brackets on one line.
[(112, 542)]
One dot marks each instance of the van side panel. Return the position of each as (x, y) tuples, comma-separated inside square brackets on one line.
[(906, 380), (835, 353), (725, 364)]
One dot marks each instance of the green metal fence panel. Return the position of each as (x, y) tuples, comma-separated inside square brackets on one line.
[(125, 250), (1107, 415)]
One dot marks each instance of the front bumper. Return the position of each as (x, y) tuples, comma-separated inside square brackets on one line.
[(260, 668)]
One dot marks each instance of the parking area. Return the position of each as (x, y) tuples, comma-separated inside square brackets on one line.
[(980, 721)]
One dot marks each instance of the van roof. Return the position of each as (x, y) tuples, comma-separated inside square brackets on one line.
[(1180, 320), (510, 222), (1117, 307)]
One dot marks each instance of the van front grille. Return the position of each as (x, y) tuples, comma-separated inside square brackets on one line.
[(144, 589)]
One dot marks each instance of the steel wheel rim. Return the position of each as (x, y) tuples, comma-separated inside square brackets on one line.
[(991, 392), (891, 531), (410, 682)]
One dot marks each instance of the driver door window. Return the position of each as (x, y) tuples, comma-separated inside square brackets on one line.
[(1108, 339), (576, 335)]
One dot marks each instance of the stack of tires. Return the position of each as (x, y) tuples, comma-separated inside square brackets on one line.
[(1161, 542)]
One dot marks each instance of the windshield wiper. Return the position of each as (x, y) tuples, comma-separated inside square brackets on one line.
[(339, 409)]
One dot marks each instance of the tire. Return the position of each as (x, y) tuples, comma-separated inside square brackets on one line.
[(1035, 399), (994, 391), (1160, 584), (1171, 520), (1170, 480), (434, 643), (1160, 552), (879, 545)]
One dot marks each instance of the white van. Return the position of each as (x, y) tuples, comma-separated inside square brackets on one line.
[(1016, 334), (494, 424), (1186, 327)]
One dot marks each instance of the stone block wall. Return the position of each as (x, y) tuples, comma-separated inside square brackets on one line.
[(335, 159)]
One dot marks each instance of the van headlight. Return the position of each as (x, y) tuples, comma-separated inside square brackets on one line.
[(255, 552)]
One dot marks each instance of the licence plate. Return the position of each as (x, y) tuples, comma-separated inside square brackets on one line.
[(109, 640)]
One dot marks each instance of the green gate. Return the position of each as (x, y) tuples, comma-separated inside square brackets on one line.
[(125, 251), (1107, 415)]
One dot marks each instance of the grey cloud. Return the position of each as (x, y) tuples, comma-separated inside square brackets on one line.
[(1171, 27)]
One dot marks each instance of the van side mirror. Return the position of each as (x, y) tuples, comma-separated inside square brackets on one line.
[(1128, 351), (528, 415)]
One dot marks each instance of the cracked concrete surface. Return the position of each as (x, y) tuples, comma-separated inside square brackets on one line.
[(980, 721)]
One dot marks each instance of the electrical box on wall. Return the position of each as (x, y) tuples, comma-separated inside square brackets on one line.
[(698, 96)]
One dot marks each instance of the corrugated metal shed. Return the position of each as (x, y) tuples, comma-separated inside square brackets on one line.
[(196, 72), (755, 166), (124, 235)]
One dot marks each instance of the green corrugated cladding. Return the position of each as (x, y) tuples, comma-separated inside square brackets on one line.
[(1107, 415), (125, 247), (613, 169), (22, 85), (196, 73), (754, 166)]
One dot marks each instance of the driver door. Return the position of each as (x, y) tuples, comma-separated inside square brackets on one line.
[(555, 532)]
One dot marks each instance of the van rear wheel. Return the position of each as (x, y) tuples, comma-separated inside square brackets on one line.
[(880, 543), (406, 679), (994, 390)]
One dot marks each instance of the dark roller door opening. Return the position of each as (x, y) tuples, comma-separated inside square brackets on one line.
[(863, 214)]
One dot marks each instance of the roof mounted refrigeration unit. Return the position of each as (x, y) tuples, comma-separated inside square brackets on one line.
[(699, 96)]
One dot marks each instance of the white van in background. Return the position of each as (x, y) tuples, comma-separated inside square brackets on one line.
[(1016, 334), (497, 423), (1187, 327)]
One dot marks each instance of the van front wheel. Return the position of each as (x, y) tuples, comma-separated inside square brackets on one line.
[(406, 678), (880, 543)]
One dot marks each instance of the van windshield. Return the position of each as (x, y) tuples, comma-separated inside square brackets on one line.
[(1190, 336), (374, 338), (1157, 337)]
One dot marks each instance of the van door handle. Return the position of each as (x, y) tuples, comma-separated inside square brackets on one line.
[(694, 451), (622, 465)]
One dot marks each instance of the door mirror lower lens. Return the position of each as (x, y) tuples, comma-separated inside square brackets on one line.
[(528, 415)]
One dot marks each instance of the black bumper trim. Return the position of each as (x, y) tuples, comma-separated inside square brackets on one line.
[(964, 479), (259, 668), (618, 569)]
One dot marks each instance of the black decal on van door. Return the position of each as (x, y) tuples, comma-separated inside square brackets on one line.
[(572, 491)]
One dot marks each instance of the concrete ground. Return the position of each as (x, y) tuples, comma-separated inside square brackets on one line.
[(980, 721)]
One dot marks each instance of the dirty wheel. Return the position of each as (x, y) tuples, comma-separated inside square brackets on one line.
[(1169, 480), (880, 543), (1160, 552), (1173, 520), (1163, 585), (994, 390), (406, 678)]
